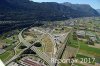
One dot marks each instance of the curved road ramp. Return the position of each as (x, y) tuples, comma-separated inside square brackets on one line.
[(1, 63), (38, 52)]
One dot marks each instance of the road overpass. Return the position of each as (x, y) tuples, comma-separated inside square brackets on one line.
[(41, 54)]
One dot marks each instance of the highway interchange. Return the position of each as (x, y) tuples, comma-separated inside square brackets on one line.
[(41, 54)]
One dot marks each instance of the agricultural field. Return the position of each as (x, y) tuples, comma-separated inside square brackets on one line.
[(88, 50)]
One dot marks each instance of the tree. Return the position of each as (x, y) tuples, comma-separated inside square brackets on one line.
[(74, 36), (90, 42), (38, 44)]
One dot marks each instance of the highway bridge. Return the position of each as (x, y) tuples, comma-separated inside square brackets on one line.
[(41, 54)]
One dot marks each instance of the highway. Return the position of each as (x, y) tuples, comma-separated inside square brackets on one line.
[(15, 56), (41, 54), (52, 39), (61, 50)]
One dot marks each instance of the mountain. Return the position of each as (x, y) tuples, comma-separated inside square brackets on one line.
[(85, 8), (29, 10), (23, 13), (98, 10)]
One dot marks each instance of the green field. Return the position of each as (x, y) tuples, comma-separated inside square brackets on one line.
[(8, 41), (76, 64), (80, 57), (64, 64), (88, 50), (71, 42), (6, 56), (83, 47)]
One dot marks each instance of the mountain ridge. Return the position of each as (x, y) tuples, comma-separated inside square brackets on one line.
[(86, 8), (98, 10), (23, 13), (43, 10)]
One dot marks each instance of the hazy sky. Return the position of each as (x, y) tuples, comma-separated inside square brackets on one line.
[(94, 3)]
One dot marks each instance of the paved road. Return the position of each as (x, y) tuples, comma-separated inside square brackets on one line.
[(38, 52), (62, 48), (14, 57), (60, 51), (51, 37), (41, 54)]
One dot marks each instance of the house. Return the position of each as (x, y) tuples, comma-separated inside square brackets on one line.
[(80, 34)]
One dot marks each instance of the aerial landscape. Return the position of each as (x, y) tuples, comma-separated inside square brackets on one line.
[(49, 33)]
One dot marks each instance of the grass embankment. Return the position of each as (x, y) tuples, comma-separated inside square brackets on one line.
[(48, 45)]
